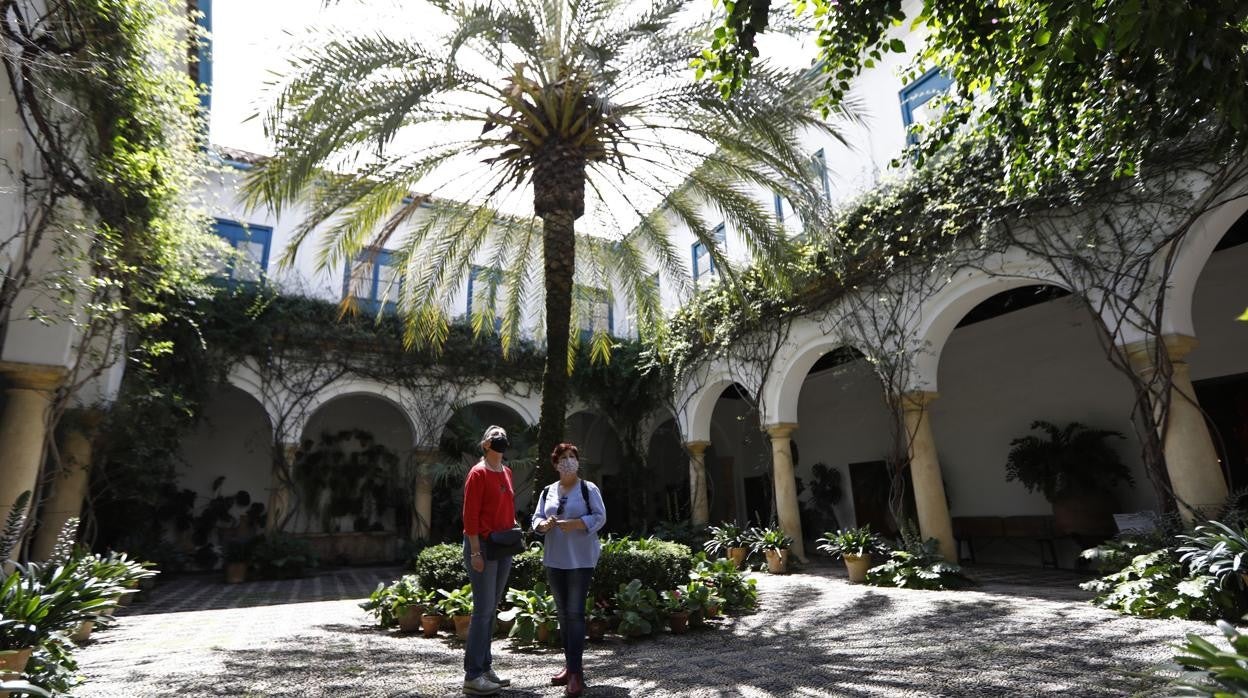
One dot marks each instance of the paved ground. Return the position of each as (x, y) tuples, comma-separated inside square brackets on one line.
[(1020, 633)]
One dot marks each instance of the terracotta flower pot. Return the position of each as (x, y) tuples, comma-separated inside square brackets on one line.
[(777, 561), (596, 629), (712, 611), (461, 626), (410, 619), (12, 665), (429, 625), (857, 565), (547, 632), (235, 572), (502, 628), (738, 556), (678, 622), (83, 633)]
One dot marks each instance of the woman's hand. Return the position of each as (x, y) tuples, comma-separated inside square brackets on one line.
[(478, 562), (571, 525)]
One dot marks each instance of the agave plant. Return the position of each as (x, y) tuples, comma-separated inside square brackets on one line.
[(491, 143)]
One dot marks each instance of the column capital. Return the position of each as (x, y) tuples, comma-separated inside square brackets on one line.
[(781, 430), (1177, 346), (697, 448), (917, 400), (41, 377)]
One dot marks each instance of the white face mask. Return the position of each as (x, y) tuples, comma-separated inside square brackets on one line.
[(568, 466)]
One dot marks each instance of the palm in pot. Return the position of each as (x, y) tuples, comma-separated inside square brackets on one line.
[(854, 546)]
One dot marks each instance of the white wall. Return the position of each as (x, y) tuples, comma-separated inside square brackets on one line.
[(1221, 297), (233, 439)]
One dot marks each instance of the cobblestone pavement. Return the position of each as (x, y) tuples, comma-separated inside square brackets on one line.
[(815, 635)]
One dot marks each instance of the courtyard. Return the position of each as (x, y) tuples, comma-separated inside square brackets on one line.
[(1021, 632)]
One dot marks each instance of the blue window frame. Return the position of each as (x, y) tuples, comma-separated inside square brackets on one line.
[(703, 263), (252, 244), (203, 55), (374, 280), (915, 98), (477, 275), (779, 203), (819, 164), (601, 315)]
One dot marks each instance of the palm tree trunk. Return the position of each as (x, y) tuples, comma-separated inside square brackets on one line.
[(559, 250)]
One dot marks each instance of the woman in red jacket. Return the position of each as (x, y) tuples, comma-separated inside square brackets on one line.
[(489, 505)]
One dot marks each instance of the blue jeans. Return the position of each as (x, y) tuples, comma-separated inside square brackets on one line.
[(570, 587), (488, 588)]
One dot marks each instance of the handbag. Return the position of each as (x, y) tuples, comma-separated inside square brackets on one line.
[(501, 544)]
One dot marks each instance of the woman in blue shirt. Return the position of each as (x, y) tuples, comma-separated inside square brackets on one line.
[(570, 513)]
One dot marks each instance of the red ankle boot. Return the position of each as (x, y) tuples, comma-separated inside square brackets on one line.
[(560, 679), (576, 685)]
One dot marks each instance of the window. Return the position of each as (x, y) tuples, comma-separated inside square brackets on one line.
[(819, 166), (201, 67), (703, 263), (484, 281), (251, 243), (595, 313), (916, 98), (374, 280), (779, 207)]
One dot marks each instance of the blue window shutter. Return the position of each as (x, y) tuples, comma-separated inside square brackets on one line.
[(916, 94), (779, 207), (204, 56), (238, 235)]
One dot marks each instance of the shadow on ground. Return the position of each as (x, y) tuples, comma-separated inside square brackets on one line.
[(805, 641), (207, 592)]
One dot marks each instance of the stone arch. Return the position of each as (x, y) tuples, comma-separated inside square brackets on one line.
[(694, 415), (361, 387), (245, 378), (788, 372), (1190, 259), (941, 313), (527, 407)]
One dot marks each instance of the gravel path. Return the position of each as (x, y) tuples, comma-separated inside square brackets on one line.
[(815, 635)]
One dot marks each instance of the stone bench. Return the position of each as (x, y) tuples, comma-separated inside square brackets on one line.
[(1041, 529)]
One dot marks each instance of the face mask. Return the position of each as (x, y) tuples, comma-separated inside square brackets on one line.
[(499, 444), (568, 466)]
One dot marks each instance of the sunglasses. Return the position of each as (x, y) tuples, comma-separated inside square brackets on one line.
[(563, 501)]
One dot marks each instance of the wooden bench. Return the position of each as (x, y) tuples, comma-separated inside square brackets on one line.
[(1041, 529)]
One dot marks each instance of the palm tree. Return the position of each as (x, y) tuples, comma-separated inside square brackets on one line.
[(533, 111)]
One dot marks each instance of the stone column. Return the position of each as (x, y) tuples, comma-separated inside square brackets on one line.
[(699, 501), (785, 485), (929, 489), (69, 488), (23, 424), (279, 492), (1191, 458), (422, 511)]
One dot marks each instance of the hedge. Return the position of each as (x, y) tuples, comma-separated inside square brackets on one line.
[(658, 564)]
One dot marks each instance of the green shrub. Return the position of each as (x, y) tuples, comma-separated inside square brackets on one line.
[(918, 566), (1156, 585), (441, 567), (281, 556), (637, 609), (1210, 671), (530, 609), (388, 602), (657, 564), (527, 570), (738, 592)]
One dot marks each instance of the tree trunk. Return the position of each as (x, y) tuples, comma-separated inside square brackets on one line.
[(559, 250), (559, 199)]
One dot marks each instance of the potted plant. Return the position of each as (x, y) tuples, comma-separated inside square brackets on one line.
[(458, 605), (1076, 469), (597, 618), (410, 602), (533, 614), (430, 620), (636, 609), (729, 540), (774, 544), (237, 558), (672, 603), (854, 546)]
